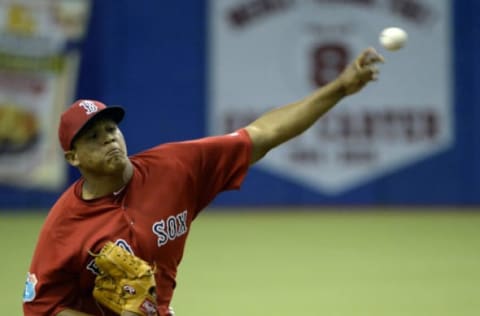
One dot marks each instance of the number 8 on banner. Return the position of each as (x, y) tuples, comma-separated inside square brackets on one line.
[(328, 61)]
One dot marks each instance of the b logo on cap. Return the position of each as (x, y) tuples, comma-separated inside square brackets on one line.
[(89, 107)]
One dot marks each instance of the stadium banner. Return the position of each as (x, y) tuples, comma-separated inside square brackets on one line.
[(39, 59), (267, 53)]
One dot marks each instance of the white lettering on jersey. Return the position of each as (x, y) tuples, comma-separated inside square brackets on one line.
[(171, 228)]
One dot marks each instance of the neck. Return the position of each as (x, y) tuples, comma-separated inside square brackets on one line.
[(97, 186)]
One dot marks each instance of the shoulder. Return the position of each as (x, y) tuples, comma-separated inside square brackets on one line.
[(193, 152), (67, 203), (239, 136)]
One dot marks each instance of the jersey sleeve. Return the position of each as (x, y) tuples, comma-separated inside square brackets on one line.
[(221, 164), (50, 287), (207, 166)]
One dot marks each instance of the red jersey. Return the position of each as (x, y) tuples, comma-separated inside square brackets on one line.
[(150, 217)]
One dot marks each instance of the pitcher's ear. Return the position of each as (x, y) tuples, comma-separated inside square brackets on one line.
[(71, 157)]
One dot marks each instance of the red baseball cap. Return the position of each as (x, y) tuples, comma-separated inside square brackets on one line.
[(76, 117)]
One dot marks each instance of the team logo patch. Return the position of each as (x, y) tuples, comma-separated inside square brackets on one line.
[(89, 106), (29, 291)]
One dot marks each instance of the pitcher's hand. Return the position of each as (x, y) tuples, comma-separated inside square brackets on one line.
[(361, 71)]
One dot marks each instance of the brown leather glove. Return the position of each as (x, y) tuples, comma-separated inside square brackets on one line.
[(125, 283)]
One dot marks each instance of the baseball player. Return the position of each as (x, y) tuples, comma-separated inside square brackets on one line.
[(144, 204)]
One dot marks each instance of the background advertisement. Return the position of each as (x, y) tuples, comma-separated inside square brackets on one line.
[(38, 69), (408, 139), (266, 54)]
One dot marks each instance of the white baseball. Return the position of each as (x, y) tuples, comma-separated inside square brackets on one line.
[(393, 38)]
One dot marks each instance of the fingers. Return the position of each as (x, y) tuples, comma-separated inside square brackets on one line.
[(363, 70), (368, 73), (375, 73), (369, 57), (366, 64)]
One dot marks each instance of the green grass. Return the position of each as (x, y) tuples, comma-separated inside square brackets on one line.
[(18, 234), (305, 263)]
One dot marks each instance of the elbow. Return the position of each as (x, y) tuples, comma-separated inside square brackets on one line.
[(262, 142)]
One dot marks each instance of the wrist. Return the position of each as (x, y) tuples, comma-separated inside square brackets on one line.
[(340, 88)]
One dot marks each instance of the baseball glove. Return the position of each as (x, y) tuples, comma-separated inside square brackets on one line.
[(125, 282)]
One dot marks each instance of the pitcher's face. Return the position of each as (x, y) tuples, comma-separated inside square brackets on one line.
[(99, 149)]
